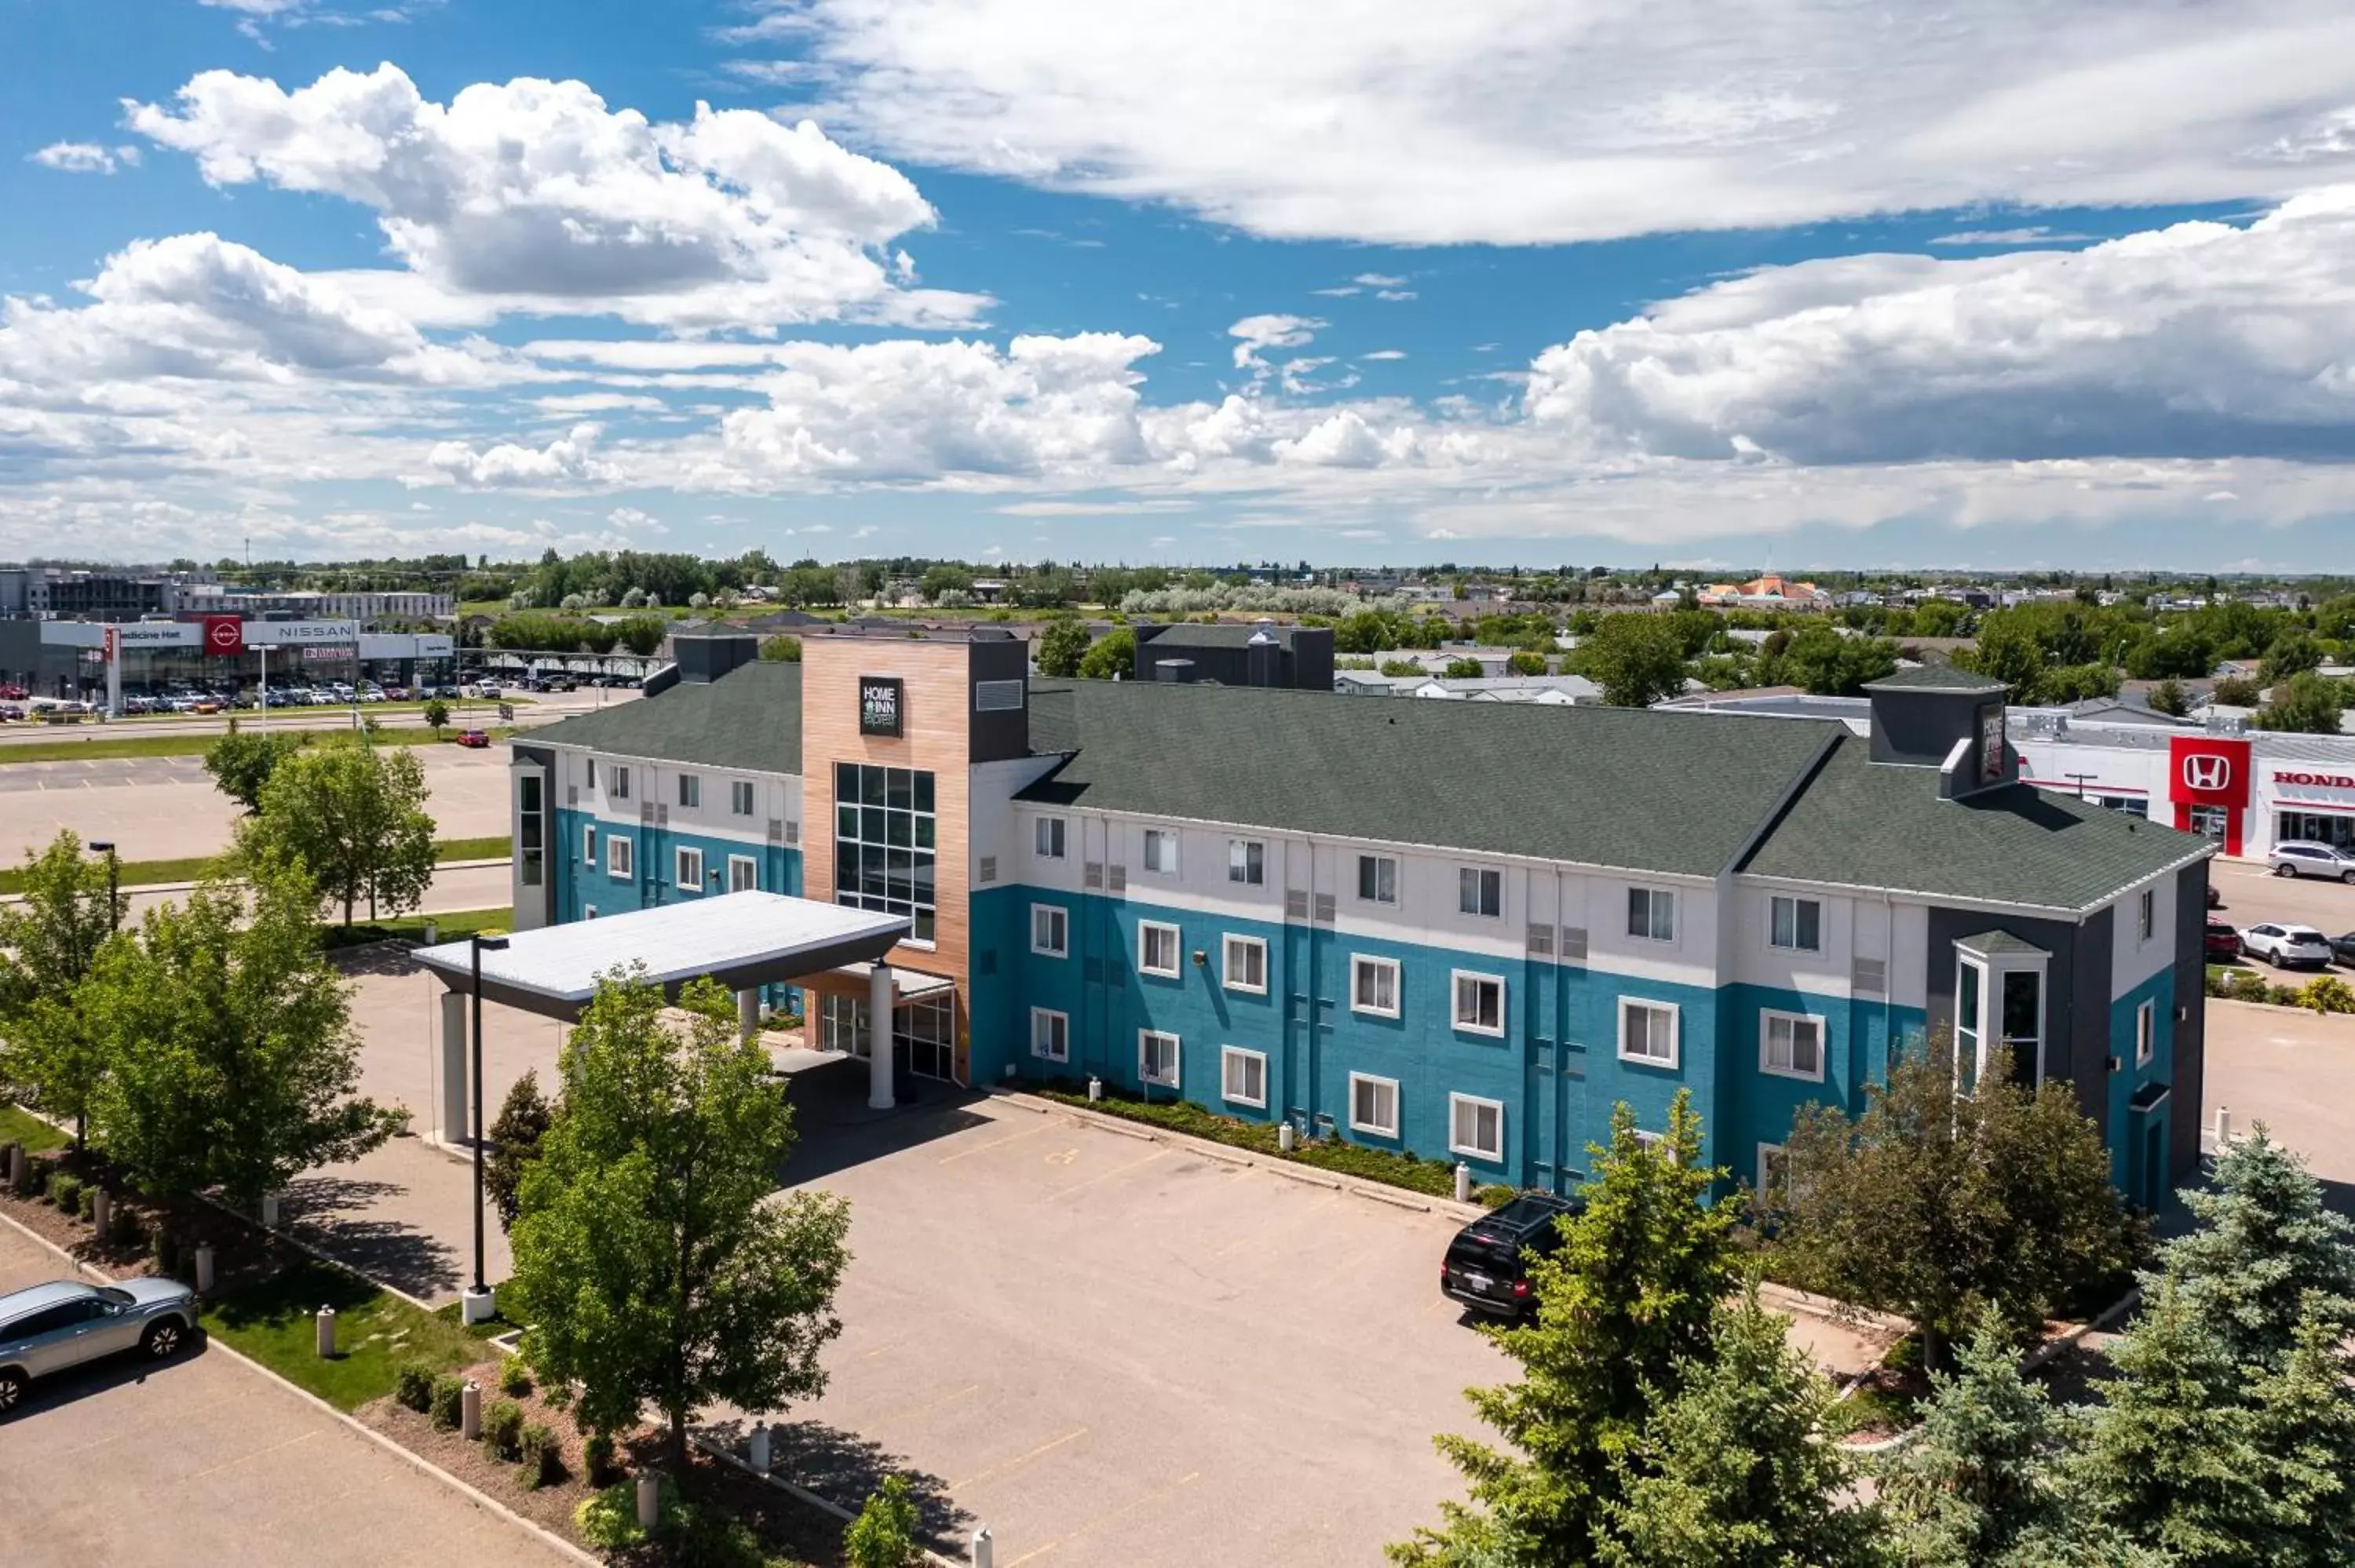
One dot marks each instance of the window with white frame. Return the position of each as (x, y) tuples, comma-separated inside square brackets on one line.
[(740, 798), (1649, 1139), (621, 789), (1373, 1104), (1050, 930), (588, 912), (1795, 924), (618, 856), (2146, 914), (1479, 1003), (1475, 1127), (588, 845), (1161, 852), (1156, 948), (1791, 1045), (1242, 1076), (1246, 862), (1373, 985), (689, 866), (1648, 1032), (1244, 964), (1652, 914), (2146, 1031), (1156, 1057), (592, 771), (690, 790), (743, 873), (1050, 1034), (1480, 890), (1047, 838), (1378, 877)]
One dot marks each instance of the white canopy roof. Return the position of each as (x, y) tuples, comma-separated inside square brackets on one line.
[(741, 939)]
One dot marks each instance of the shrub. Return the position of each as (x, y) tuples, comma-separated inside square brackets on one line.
[(2282, 995), (597, 1458), (164, 1251), (710, 1537), (1496, 1195), (543, 1456), (36, 1178), (86, 1201), (608, 1520), (884, 1533), (2250, 985), (503, 1428), (2328, 994), (413, 1386), (515, 1378), (65, 1192), (449, 1393)]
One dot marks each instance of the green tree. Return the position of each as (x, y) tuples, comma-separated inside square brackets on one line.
[(2293, 652), (2169, 697), (1062, 646), (781, 649), (1114, 657), (1526, 663), (642, 634), (943, 577), (2237, 692), (2007, 649), (652, 1258), (884, 1533), (2264, 1252), (49, 941), (1820, 660), (1636, 659), (1464, 670), (1739, 1469), (241, 761), (523, 1121), (2304, 703), (235, 1062), (1938, 1204), (354, 816), (1625, 1307), (437, 716)]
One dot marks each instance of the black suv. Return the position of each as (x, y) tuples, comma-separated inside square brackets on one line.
[(1486, 1268)]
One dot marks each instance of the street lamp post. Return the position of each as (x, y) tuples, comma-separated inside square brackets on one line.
[(477, 1306), (113, 882), (265, 649)]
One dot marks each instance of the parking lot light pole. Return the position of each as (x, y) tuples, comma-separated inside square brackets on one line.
[(113, 882), (478, 1299), (262, 708)]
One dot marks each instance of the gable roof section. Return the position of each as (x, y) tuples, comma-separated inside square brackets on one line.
[(1934, 678), (1613, 787), (1225, 634), (749, 718)]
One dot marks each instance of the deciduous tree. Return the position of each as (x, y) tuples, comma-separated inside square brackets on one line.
[(50, 939), (1636, 659), (1062, 646), (1114, 657), (241, 761), (354, 815), (2303, 704)]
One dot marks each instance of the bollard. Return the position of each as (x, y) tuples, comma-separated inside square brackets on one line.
[(760, 1448), (205, 1270), (2224, 1128), (1096, 1088), (478, 1305), (326, 1333), (17, 1166), (432, 932), (470, 1411), (8, 1163), (649, 1500), (102, 1214), (984, 1548), (1463, 1183), (1283, 1136), (270, 1210)]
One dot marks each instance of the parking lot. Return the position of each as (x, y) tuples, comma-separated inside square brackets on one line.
[(2252, 894), (203, 1462)]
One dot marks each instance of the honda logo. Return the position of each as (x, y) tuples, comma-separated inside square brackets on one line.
[(2206, 771)]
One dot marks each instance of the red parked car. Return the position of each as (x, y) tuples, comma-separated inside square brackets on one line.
[(474, 738), (2222, 942)]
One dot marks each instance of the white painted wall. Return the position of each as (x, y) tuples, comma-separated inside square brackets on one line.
[(2131, 959)]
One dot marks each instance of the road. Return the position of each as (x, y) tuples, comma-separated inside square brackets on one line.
[(544, 708)]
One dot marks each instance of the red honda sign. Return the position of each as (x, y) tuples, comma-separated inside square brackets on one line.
[(2209, 772), (224, 634), (2317, 780)]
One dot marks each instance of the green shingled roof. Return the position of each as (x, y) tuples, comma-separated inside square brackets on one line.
[(1871, 824), (1634, 788), (1936, 678), (749, 718)]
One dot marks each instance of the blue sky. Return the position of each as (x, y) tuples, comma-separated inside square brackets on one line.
[(1185, 281)]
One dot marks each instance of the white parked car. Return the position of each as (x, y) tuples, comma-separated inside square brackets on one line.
[(2303, 857), (2286, 947)]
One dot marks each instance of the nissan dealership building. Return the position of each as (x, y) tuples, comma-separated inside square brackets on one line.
[(76, 658)]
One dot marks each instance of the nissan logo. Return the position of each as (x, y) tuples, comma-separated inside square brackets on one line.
[(226, 636), (2207, 771)]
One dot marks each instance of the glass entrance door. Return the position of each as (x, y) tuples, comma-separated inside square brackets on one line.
[(927, 1027)]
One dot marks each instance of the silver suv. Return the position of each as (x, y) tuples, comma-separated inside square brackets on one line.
[(46, 1328), (2303, 857)]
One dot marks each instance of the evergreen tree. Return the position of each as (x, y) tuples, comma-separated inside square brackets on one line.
[(2266, 1252), (1624, 1305), (515, 1143)]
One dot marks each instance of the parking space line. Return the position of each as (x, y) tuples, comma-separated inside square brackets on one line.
[(999, 1469), (928, 1404), (1133, 1504), (995, 1143), (1108, 1175), (258, 1453)]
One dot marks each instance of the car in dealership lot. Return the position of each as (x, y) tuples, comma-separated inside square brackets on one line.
[(48, 1329), (1486, 1266), (13, 693), (2223, 941), (2342, 947), (2305, 857), (2285, 946), (474, 738)]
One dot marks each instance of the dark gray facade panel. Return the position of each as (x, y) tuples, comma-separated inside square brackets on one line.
[(2189, 1075), (2076, 991), (1004, 732)]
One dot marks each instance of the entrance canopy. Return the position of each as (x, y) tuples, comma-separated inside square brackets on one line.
[(739, 939)]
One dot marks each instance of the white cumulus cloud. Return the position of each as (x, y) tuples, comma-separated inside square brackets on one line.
[(567, 460), (84, 157), (1254, 335)]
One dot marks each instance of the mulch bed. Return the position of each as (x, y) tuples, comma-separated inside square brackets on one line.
[(241, 1250)]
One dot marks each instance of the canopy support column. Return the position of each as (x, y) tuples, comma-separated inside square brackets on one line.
[(748, 1012), (879, 997), (456, 1128)]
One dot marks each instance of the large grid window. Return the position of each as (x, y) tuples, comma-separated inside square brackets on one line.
[(531, 828), (884, 839)]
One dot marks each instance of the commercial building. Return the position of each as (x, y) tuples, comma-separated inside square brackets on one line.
[(85, 659), (1464, 929), (1264, 654)]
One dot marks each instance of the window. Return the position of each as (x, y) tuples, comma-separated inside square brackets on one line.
[(621, 790), (1480, 890), (1245, 964), (1050, 1034), (1047, 838), (1378, 879), (1652, 914), (1796, 923), (1374, 985), (1475, 1127), (1156, 1057), (1156, 948), (1648, 1032), (531, 830), (2146, 1031), (592, 772), (743, 873), (1373, 1104), (1161, 852), (690, 871), (740, 798), (1242, 1076), (1246, 861), (1050, 930), (588, 912), (617, 858), (1479, 1003), (1969, 979), (2146, 914), (883, 843), (1791, 1045), (588, 845), (690, 790)]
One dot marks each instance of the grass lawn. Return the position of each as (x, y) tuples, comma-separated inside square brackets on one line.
[(18, 1126), (499, 846), (273, 1320), (150, 873), (460, 708), (103, 747), (450, 927)]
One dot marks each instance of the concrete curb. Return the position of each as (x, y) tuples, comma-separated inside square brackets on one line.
[(491, 1505), (1227, 1154), (132, 887)]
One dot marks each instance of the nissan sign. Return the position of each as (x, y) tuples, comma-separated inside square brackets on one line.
[(224, 635), (2317, 780)]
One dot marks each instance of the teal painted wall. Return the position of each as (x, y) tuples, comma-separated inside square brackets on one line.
[(2128, 1129)]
